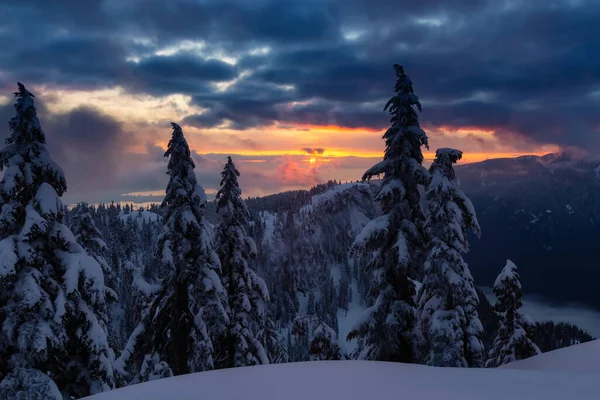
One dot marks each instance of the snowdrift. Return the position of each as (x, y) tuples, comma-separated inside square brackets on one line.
[(564, 374), (582, 358)]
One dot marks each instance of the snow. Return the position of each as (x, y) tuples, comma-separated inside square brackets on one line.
[(376, 227), (8, 256), (77, 263), (331, 195), (140, 218), (48, 200), (582, 358), (508, 273), (347, 319), (558, 375), (451, 152), (270, 221)]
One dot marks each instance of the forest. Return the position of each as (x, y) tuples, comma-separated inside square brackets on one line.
[(95, 297)]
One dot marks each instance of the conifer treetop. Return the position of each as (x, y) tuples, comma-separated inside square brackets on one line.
[(229, 201), (25, 126), (183, 187), (507, 288), (404, 138), (30, 174), (444, 195)]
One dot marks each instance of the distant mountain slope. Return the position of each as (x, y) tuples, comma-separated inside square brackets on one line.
[(567, 373), (544, 214)]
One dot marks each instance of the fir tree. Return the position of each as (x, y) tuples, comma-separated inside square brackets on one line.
[(319, 339), (448, 301), (174, 334), (393, 242), (89, 236), (276, 349), (247, 293), (51, 292), (512, 342)]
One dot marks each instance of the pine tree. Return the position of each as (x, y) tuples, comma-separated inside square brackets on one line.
[(393, 242), (89, 236), (174, 334), (273, 344), (448, 301), (318, 339), (51, 292), (512, 342), (247, 293)]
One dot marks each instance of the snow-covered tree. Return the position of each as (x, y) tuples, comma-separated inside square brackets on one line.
[(52, 292), (89, 236), (319, 338), (511, 342), (28, 384), (246, 292), (448, 301), (174, 334), (393, 242), (273, 344)]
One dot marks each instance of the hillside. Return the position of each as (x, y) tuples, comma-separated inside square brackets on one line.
[(557, 375), (544, 214)]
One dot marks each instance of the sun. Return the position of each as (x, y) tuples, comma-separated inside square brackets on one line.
[(312, 160)]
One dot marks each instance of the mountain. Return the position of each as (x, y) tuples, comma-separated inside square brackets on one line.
[(556, 375), (544, 214)]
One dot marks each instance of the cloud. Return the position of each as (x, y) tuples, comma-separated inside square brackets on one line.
[(317, 150), (292, 173), (524, 71), (540, 309)]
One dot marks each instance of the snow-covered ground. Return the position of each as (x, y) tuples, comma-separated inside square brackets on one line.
[(582, 358), (570, 373)]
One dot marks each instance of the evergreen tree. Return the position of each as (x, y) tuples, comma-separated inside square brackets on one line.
[(51, 292), (448, 301), (89, 236), (311, 308), (344, 293), (318, 339), (247, 293), (276, 349), (174, 334), (512, 342), (393, 242)]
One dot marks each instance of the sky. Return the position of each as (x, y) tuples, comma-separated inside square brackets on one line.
[(293, 90)]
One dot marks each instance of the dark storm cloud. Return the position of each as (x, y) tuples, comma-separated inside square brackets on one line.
[(518, 68), (183, 73), (232, 21), (69, 61)]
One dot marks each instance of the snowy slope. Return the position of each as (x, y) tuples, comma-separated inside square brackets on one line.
[(361, 380), (581, 358)]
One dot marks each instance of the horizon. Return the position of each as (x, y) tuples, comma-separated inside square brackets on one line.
[(155, 197)]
